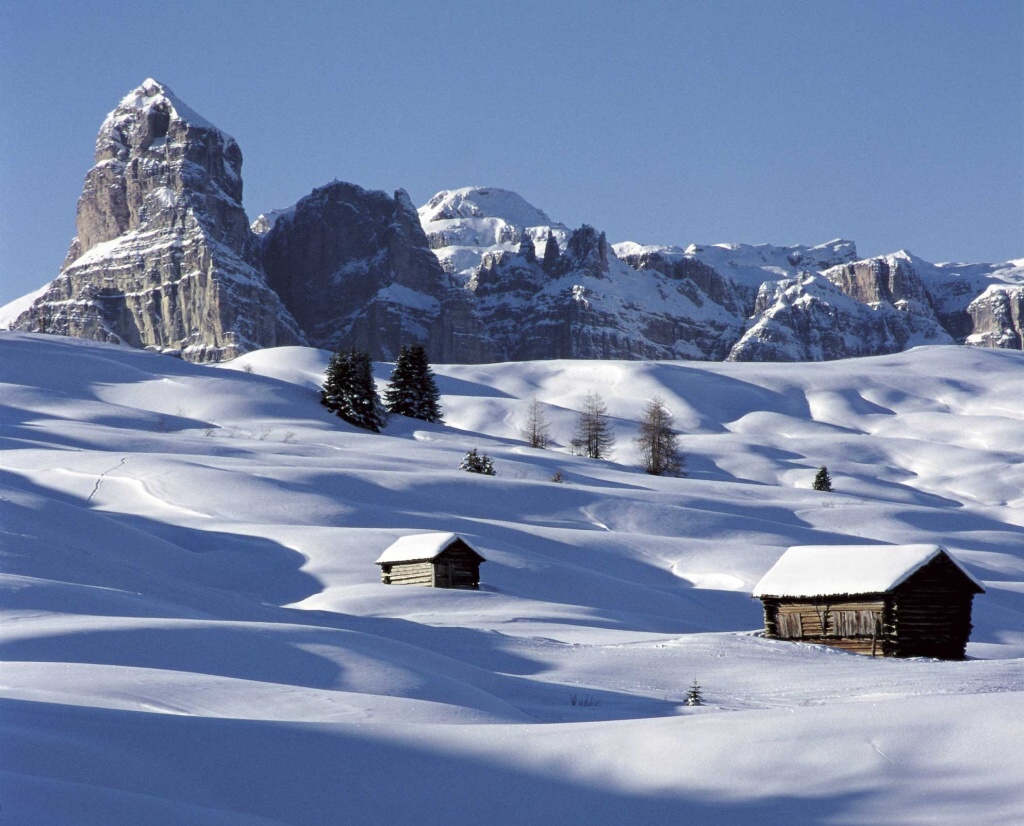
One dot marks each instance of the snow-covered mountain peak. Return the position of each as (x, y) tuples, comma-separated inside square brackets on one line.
[(153, 98), (484, 202), (463, 225)]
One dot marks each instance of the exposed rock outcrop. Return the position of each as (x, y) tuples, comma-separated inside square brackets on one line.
[(997, 318), (355, 269), (812, 319), (164, 257)]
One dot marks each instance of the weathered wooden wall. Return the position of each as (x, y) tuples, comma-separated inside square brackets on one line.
[(860, 625), (929, 615), (407, 573), (458, 566), (932, 611)]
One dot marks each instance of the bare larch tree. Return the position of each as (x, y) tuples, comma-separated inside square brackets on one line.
[(593, 437), (657, 442)]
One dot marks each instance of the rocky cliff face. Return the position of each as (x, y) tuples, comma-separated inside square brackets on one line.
[(997, 318), (355, 269), (813, 319), (164, 257)]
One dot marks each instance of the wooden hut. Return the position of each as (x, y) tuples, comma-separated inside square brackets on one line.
[(882, 600), (437, 560)]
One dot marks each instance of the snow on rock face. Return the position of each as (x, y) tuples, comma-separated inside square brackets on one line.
[(812, 319), (463, 225), (164, 257)]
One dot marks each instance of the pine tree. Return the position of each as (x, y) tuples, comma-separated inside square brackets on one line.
[(536, 430), (551, 253), (822, 481), (593, 437), (478, 463), (657, 442), (350, 393), (694, 697), (413, 391)]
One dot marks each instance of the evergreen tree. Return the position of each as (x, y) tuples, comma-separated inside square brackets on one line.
[(822, 481), (657, 442), (413, 391), (694, 697), (551, 253), (536, 430), (350, 393), (474, 463), (526, 248), (593, 437)]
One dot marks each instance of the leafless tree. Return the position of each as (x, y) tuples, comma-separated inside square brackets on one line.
[(593, 437), (657, 442), (536, 430)]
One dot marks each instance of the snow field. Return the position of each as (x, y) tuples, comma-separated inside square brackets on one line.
[(192, 628)]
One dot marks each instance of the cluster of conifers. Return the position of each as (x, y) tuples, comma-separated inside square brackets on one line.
[(350, 392)]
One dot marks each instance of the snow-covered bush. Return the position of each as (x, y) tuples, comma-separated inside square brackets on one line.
[(478, 463)]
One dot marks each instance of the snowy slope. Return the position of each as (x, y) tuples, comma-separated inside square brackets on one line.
[(193, 629)]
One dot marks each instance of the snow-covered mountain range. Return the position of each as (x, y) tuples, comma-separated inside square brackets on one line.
[(164, 260)]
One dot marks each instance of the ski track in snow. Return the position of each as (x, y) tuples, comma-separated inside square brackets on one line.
[(187, 579)]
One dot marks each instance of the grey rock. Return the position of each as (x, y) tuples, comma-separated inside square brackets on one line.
[(997, 318), (355, 269), (812, 319), (164, 257)]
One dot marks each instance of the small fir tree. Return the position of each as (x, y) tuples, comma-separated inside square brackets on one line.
[(657, 442), (593, 437), (413, 391), (536, 430), (478, 463), (694, 697), (822, 481), (350, 393)]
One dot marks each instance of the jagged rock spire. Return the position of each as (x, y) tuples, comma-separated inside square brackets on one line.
[(164, 257)]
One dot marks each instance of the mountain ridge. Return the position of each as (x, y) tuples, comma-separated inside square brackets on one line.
[(166, 259)]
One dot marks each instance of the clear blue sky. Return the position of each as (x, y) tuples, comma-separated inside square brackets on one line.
[(896, 124)]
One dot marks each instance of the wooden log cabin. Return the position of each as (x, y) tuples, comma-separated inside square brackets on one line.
[(436, 560), (882, 600)]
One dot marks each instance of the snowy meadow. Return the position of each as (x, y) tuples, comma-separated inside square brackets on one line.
[(193, 629)]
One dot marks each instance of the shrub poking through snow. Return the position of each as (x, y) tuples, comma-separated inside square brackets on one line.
[(413, 391), (478, 463), (694, 697), (558, 477), (822, 481), (349, 392)]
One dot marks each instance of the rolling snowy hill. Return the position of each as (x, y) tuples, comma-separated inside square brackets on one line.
[(192, 628)]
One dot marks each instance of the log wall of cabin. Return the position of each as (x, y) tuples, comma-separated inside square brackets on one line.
[(863, 625), (932, 611), (407, 573), (457, 567)]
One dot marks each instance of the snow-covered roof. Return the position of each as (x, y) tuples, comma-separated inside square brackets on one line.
[(418, 547), (833, 570)]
